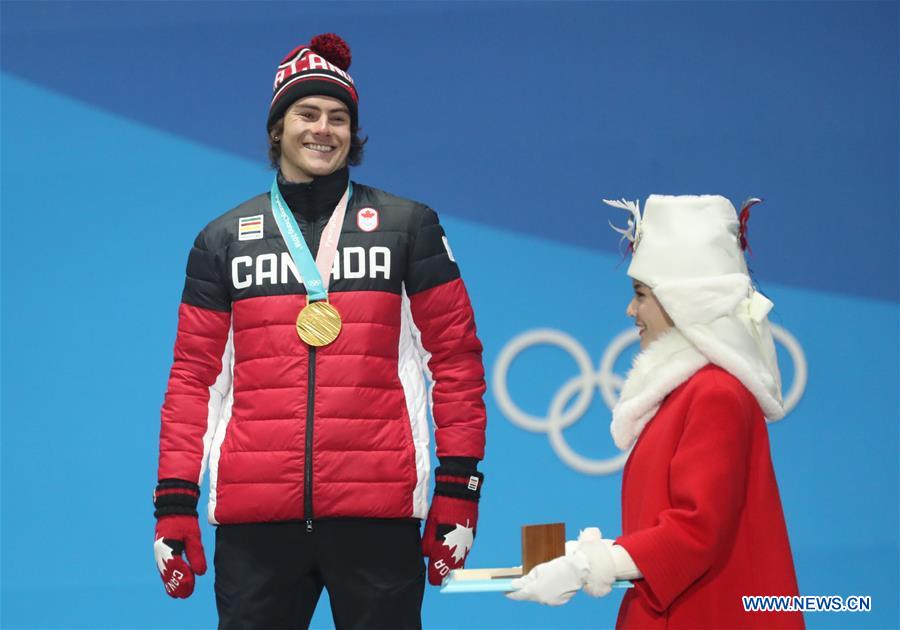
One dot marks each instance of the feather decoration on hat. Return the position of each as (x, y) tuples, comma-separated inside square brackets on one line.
[(632, 232), (744, 217)]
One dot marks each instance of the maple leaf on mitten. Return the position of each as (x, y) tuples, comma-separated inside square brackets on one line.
[(459, 540), (177, 576)]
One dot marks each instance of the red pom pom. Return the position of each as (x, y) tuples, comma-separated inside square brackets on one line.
[(333, 48)]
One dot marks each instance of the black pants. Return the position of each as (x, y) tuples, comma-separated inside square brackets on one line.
[(270, 575)]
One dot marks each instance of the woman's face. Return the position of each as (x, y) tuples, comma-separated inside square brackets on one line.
[(650, 318)]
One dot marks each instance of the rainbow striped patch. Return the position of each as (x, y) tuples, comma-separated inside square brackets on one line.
[(250, 228)]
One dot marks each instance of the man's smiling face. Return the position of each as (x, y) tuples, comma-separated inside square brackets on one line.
[(315, 138)]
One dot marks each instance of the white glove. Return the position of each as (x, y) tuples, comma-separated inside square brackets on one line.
[(552, 583), (587, 564)]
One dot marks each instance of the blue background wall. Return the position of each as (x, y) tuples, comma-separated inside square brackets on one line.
[(126, 127)]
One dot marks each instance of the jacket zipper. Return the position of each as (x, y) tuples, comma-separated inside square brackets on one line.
[(310, 411)]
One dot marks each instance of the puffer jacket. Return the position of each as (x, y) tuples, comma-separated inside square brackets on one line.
[(292, 432)]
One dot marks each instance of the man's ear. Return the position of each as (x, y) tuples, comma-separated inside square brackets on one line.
[(276, 131)]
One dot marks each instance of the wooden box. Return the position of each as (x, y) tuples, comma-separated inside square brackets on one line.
[(541, 543)]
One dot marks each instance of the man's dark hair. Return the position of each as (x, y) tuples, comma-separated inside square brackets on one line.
[(354, 157)]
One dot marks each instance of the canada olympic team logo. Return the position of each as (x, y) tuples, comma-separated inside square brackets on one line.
[(606, 381), (367, 219)]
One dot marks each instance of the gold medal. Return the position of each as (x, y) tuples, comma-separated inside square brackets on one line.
[(318, 324)]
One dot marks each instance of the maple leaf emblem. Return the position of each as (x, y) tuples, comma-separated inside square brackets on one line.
[(368, 214), (460, 541), (163, 554)]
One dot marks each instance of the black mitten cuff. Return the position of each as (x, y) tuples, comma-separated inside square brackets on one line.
[(457, 477), (175, 496)]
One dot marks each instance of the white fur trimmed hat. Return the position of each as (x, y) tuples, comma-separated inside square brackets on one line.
[(690, 251)]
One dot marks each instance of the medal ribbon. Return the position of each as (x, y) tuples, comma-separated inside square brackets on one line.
[(316, 274)]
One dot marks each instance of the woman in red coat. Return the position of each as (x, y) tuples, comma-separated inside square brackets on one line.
[(701, 516)]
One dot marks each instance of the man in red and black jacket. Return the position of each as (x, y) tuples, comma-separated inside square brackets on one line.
[(319, 456)]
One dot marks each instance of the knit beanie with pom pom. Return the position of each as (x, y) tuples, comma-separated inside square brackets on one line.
[(315, 69)]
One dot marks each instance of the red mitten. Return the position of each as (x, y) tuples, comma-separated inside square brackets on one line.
[(452, 520), (177, 531)]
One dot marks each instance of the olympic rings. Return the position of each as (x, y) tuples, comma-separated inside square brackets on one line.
[(581, 387)]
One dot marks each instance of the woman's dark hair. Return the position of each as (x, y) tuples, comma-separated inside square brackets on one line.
[(354, 157)]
